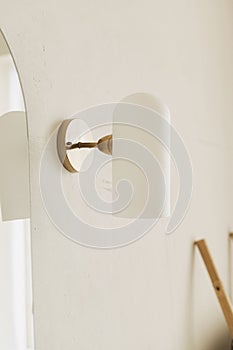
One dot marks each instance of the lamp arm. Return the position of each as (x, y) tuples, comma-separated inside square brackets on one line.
[(104, 145)]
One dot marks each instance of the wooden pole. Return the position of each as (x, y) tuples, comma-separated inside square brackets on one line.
[(223, 298)]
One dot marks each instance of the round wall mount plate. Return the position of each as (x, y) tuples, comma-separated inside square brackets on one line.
[(72, 131)]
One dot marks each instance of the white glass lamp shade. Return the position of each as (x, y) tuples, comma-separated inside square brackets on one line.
[(141, 159)]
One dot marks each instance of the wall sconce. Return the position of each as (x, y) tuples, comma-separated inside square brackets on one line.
[(65, 146), (145, 203)]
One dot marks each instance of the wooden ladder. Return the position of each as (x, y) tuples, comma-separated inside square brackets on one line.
[(221, 294)]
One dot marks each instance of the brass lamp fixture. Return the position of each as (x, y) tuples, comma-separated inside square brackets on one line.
[(65, 145), (104, 145)]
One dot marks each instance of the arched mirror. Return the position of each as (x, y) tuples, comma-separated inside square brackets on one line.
[(16, 319)]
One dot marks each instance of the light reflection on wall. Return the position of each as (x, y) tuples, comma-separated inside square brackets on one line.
[(11, 98), (16, 320)]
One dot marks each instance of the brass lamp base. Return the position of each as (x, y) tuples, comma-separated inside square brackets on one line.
[(67, 144)]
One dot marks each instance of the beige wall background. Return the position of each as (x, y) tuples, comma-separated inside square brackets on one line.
[(155, 293)]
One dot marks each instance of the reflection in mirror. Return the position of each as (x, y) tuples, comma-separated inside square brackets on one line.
[(16, 320)]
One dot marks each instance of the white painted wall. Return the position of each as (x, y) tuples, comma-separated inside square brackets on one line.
[(73, 54)]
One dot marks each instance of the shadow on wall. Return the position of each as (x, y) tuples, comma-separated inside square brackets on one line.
[(222, 342)]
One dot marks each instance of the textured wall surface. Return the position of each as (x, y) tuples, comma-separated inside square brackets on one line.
[(153, 294)]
